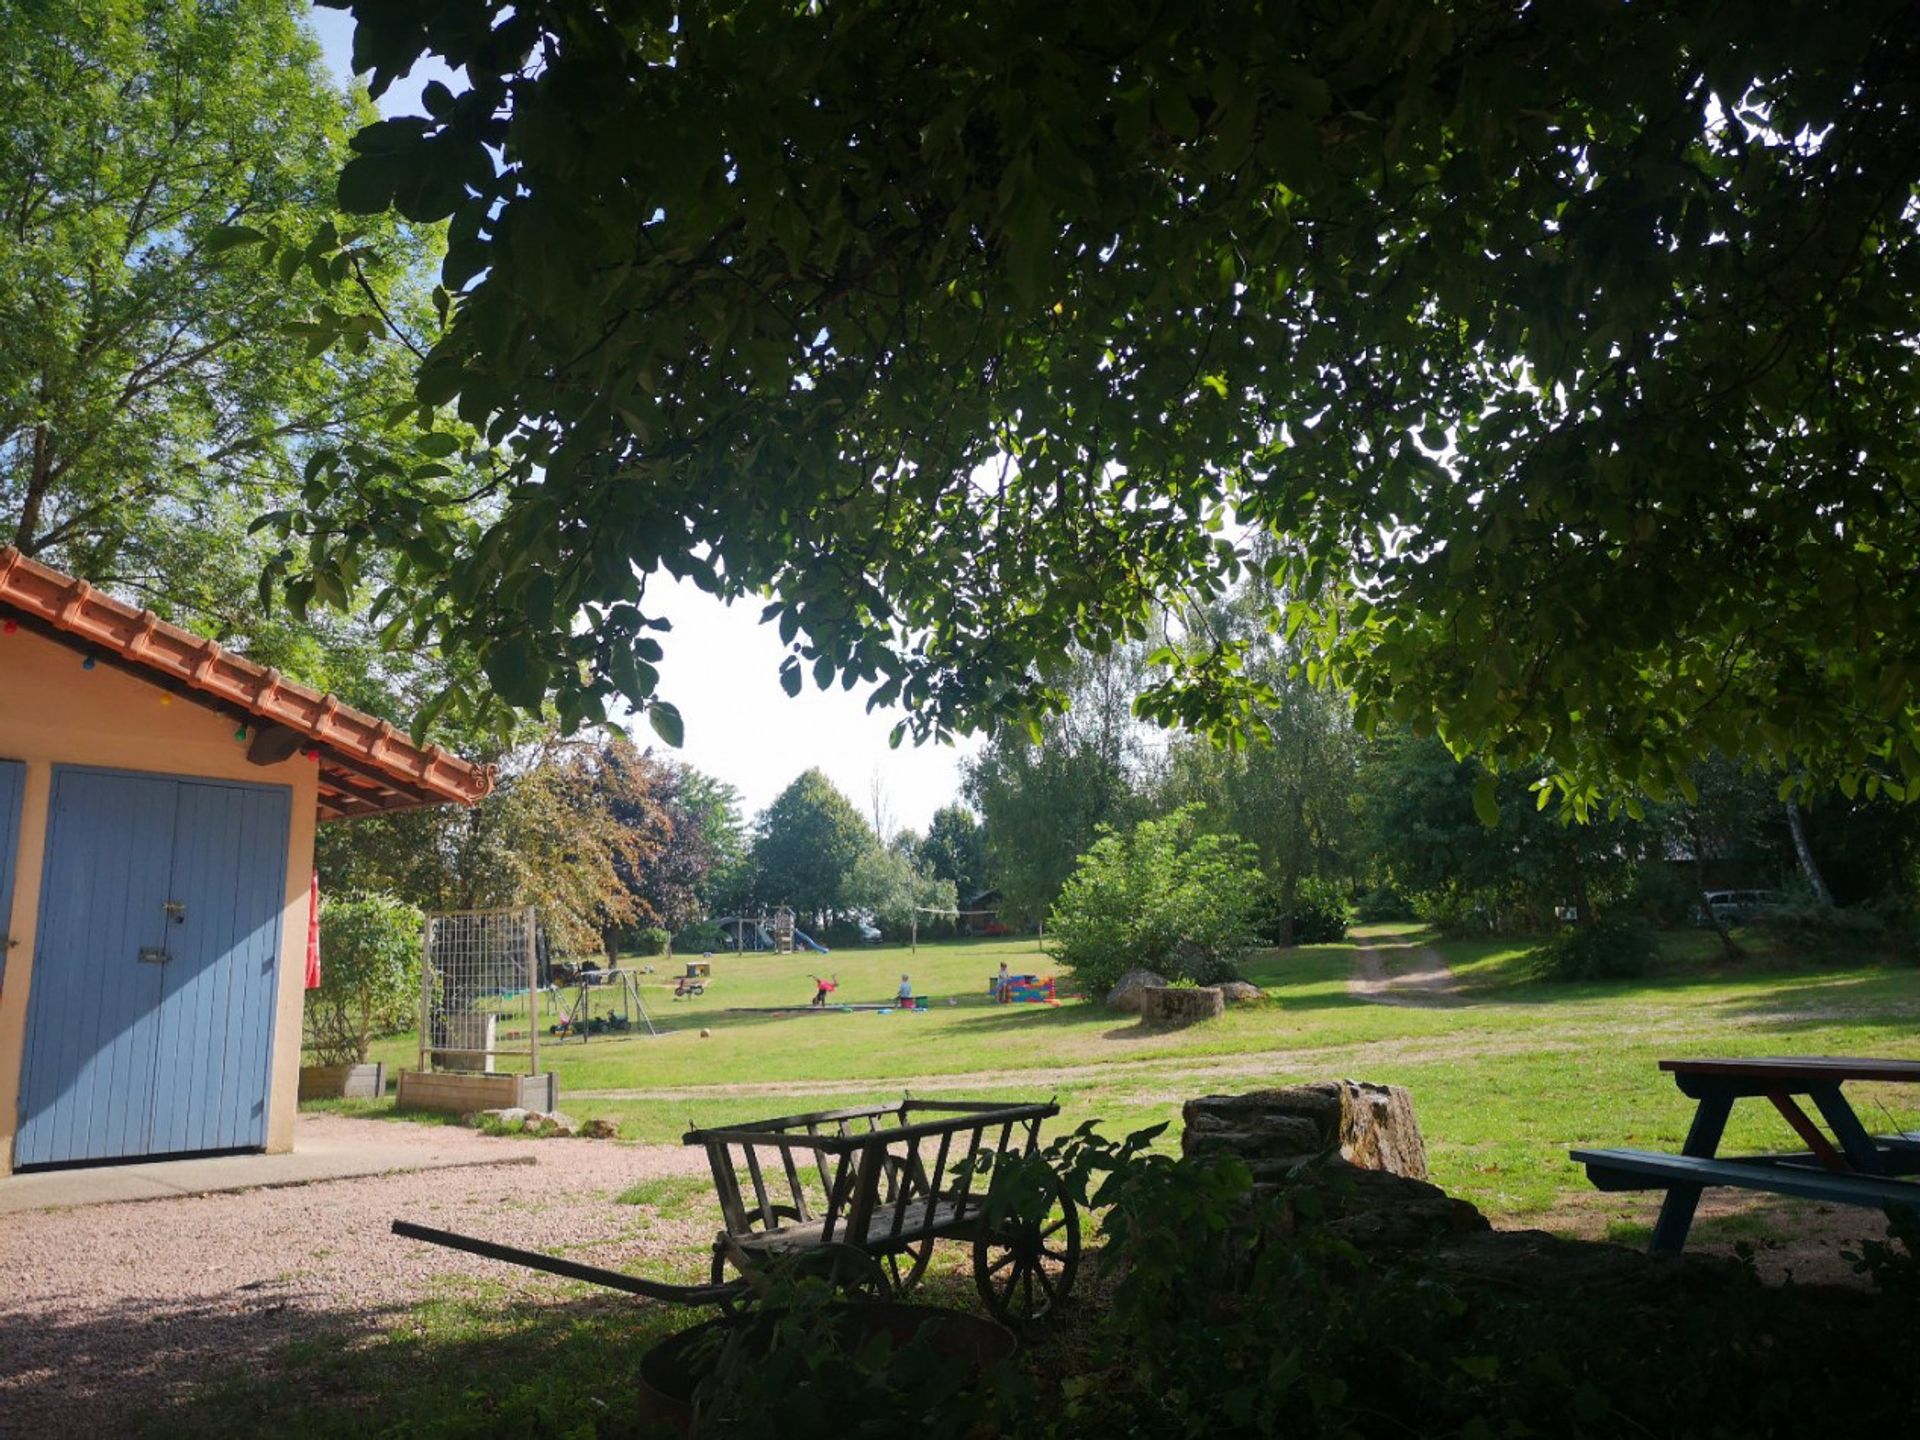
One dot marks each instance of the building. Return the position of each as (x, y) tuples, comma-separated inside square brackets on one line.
[(158, 799)]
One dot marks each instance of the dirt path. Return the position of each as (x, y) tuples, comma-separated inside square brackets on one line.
[(106, 1307), (1421, 977)]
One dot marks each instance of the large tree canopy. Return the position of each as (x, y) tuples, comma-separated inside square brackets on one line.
[(1567, 349)]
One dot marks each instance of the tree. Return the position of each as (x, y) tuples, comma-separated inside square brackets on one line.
[(888, 885), (955, 849), (369, 976), (1567, 353), (1044, 793), (805, 846), (1161, 896), (1428, 826), (665, 857)]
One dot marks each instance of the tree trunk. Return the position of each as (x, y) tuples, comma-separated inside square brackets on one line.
[(1804, 853), (364, 1040)]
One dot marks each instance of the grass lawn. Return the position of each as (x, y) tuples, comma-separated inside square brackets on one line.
[(1504, 1080)]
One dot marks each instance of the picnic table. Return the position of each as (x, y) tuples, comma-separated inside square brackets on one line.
[(1844, 1165)]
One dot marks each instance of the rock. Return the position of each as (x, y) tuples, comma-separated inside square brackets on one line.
[(1375, 1210), (1240, 992), (550, 1123), (1369, 1126), (1172, 1005), (600, 1128), (511, 1118), (1125, 994)]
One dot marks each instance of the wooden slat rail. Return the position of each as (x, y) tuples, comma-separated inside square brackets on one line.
[(1803, 1181), (743, 1135)]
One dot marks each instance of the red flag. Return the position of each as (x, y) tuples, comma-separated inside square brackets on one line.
[(313, 933)]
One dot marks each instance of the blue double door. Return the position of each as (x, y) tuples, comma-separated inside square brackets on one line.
[(156, 968)]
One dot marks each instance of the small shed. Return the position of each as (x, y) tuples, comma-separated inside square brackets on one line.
[(158, 799)]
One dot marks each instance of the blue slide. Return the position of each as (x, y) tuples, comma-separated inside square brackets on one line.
[(807, 940)]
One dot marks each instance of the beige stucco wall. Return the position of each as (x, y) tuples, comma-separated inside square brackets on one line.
[(53, 712)]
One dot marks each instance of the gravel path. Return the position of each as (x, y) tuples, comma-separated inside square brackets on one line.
[(110, 1308), (1426, 980)]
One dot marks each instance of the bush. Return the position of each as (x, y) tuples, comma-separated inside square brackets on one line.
[(1382, 905), (700, 938), (369, 976), (1321, 913), (1604, 950), (1804, 925), (1160, 897), (649, 940)]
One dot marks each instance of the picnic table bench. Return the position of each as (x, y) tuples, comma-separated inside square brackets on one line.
[(1848, 1167)]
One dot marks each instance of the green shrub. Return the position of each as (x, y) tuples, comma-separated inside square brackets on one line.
[(1382, 905), (699, 938), (1321, 913), (1161, 897), (648, 940), (1604, 950), (1804, 925), (369, 976)]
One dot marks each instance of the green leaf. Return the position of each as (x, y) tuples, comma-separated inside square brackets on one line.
[(1485, 805), (667, 723), (223, 238)]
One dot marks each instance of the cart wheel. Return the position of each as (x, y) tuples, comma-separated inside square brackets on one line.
[(904, 1268), (1024, 1268)]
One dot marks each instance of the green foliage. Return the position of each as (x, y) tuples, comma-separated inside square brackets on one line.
[(1805, 926), (369, 976), (648, 940), (806, 844), (955, 849), (1654, 266), (1604, 950), (167, 176), (1158, 896), (888, 885), (1320, 913), (1044, 794), (1426, 833), (1892, 1265)]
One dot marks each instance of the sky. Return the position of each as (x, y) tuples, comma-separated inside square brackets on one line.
[(722, 665)]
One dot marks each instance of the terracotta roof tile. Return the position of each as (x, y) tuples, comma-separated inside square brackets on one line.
[(366, 766)]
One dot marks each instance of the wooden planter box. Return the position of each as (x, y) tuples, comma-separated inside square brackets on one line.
[(343, 1082), (457, 1093), (1169, 1005)]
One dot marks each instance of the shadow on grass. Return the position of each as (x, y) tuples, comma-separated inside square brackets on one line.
[(429, 1372)]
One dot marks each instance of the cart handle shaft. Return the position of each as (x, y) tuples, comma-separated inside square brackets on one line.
[(573, 1269)]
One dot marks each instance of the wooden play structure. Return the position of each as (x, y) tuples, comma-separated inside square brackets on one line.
[(781, 924)]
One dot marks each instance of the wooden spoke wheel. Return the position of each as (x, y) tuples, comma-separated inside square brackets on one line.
[(904, 1267), (1023, 1268)]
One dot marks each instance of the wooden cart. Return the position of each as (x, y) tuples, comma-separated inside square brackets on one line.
[(890, 1180), (867, 1191)]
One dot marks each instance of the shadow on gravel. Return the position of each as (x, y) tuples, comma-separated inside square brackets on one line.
[(275, 1363)]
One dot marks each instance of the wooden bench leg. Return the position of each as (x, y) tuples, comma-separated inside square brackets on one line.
[(1676, 1211)]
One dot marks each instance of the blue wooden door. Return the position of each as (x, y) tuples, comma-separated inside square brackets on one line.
[(220, 985), (13, 783), (86, 1089), (150, 1020)]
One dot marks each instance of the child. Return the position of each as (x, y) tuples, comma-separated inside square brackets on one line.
[(826, 988), (1000, 986), (906, 993)]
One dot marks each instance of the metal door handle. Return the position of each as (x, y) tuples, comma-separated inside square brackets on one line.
[(153, 955)]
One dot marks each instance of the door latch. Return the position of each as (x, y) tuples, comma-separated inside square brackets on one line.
[(176, 911), (153, 955)]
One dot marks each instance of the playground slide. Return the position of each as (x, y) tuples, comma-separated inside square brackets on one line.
[(801, 937)]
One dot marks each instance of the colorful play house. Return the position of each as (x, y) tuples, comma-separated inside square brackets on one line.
[(158, 799)]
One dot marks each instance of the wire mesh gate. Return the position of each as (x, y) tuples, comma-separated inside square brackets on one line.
[(479, 991)]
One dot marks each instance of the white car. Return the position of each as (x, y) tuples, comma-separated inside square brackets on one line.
[(870, 934)]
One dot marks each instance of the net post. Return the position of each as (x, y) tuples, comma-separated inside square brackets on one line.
[(530, 919), (426, 995)]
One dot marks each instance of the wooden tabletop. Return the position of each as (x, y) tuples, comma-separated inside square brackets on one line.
[(1800, 1068)]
